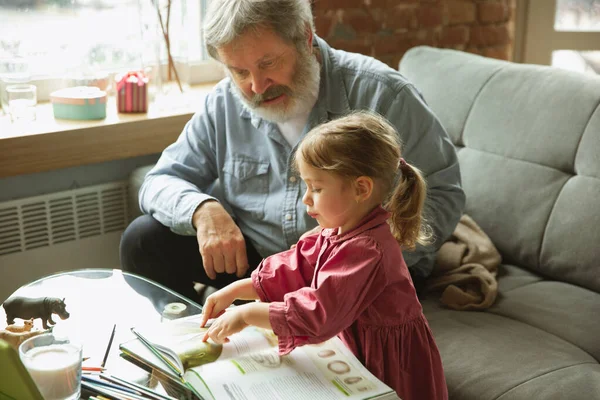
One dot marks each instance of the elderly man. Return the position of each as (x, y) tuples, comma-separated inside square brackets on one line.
[(223, 196)]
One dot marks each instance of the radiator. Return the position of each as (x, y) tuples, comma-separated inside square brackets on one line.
[(61, 231)]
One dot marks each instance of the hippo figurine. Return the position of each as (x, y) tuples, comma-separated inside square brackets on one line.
[(41, 307)]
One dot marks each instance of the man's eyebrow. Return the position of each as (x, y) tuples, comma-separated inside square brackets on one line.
[(260, 60), (268, 56)]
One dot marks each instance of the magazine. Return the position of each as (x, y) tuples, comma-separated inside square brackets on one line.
[(249, 367)]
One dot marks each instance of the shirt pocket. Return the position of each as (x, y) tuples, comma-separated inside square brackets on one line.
[(246, 182)]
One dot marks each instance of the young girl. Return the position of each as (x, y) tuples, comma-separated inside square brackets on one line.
[(349, 279)]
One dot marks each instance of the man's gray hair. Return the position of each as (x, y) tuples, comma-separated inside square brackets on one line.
[(226, 20)]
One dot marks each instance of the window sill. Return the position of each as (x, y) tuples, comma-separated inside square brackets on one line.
[(48, 144)]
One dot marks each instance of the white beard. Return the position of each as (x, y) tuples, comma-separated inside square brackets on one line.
[(302, 97)]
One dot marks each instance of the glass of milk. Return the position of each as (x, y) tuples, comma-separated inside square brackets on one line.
[(54, 363), (21, 99)]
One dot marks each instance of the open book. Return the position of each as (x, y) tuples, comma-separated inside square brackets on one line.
[(249, 367)]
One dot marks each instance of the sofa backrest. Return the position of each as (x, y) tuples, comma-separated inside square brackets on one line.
[(528, 140)]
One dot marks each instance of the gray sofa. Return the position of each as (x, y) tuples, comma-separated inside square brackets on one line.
[(528, 140), (529, 148)]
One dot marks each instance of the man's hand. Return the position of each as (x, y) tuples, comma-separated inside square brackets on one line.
[(216, 304), (226, 325), (221, 243)]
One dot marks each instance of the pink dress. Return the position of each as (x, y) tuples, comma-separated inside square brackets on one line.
[(357, 286)]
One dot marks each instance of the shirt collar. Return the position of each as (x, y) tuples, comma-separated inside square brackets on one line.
[(332, 98), (375, 218)]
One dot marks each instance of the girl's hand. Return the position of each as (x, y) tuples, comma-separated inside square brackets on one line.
[(216, 304), (227, 324)]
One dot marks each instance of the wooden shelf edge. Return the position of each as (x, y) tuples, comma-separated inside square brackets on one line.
[(22, 155), (62, 144)]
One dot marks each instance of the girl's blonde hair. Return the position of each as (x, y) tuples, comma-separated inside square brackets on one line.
[(365, 144)]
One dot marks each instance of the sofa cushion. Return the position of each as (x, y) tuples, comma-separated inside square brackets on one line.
[(511, 200), (532, 113), (530, 165), (571, 246), (537, 333), (587, 162), (564, 310), (574, 382), (425, 68)]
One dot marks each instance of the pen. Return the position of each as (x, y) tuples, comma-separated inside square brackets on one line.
[(112, 336)]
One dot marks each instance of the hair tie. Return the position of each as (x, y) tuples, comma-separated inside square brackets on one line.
[(402, 163)]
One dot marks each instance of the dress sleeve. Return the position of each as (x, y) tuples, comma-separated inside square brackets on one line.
[(346, 284), (287, 271)]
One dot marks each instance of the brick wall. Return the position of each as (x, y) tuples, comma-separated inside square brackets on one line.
[(386, 29)]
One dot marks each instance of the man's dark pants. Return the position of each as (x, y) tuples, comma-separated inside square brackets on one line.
[(151, 250)]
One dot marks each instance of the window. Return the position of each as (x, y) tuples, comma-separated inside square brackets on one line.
[(577, 15), (61, 39), (565, 34)]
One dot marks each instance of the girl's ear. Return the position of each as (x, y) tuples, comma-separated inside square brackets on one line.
[(364, 188)]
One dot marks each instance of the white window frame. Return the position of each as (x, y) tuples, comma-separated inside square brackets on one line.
[(536, 37), (201, 70)]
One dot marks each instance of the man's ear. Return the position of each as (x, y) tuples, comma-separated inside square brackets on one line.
[(310, 37), (364, 188)]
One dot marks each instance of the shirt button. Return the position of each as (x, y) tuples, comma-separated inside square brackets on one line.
[(293, 179), (288, 217)]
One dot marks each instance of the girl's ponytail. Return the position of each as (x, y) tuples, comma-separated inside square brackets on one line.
[(406, 205)]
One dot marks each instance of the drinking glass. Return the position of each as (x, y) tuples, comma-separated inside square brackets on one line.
[(21, 99), (54, 363)]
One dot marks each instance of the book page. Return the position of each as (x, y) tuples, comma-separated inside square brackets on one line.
[(325, 371), (182, 339)]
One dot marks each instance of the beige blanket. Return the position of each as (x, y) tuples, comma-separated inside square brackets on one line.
[(465, 270)]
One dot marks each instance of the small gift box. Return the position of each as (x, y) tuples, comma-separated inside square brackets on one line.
[(132, 93)]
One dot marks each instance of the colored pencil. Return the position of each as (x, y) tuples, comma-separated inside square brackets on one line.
[(92, 369), (112, 336)]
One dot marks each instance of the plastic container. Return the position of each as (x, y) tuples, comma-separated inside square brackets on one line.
[(80, 102)]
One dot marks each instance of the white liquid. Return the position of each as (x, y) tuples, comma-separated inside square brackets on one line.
[(56, 370), (22, 109)]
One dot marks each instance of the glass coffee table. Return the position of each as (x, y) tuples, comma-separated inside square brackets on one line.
[(100, 299)]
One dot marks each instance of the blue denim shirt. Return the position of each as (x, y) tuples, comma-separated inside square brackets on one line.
[(229, 154)]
